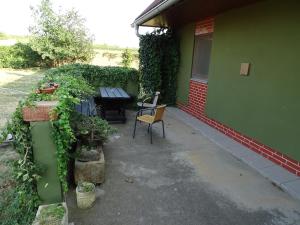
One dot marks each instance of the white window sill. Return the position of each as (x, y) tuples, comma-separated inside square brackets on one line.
[(203, 81)]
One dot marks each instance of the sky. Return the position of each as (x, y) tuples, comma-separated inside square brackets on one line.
[(108, 20)]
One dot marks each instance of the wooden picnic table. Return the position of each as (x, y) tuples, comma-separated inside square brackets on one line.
[(113, 100)]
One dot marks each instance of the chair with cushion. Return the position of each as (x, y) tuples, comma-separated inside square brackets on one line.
[(151, 119)]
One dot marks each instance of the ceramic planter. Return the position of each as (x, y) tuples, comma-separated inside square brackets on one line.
[(47, 90)]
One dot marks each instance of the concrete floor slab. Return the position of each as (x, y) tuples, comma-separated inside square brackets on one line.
[(268, 169), (293, 187), (185, 179)]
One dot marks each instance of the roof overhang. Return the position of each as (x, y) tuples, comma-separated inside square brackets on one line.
[(172, 13)]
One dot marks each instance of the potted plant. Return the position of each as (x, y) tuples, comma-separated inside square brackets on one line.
[(47, 88), (92, 131), (85, 195), (53, 214)]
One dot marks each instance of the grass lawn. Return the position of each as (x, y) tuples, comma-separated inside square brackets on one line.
[(14, 86)]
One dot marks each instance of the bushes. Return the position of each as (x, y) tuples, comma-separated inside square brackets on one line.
[(19, 56), (159, 63), (98, 76)]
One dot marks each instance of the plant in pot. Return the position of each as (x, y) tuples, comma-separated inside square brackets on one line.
[(85, 195), (93, 131), (53, 214), (47, 88)]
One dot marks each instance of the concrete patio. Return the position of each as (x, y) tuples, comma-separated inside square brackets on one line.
[(189, 178)]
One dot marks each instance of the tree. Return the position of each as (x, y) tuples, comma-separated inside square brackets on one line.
[(127, 58), (60, 37)]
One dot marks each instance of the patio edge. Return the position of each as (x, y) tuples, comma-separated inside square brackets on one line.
[(287, 181)]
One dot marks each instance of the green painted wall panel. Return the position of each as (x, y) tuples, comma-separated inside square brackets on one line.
[(266, 104), (44, 151), (186, 37)]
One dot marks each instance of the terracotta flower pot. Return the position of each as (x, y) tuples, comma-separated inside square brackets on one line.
[(48, 90)]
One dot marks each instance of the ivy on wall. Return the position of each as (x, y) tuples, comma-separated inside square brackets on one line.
[(159, 63)]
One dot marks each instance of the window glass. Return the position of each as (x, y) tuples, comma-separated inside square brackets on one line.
[(201, 58)]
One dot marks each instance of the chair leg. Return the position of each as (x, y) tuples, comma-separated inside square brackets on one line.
[(148, 127), (134, 129), (151, 133), (163, 127)]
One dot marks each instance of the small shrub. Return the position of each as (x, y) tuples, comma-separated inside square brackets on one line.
[(51, 214), (19, 56), (86, 187), (127, 58), (92, 129)]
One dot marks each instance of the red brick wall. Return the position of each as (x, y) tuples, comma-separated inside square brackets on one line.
[(205, 26), (196, 108)]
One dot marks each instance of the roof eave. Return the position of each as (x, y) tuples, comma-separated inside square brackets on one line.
[(153, 12)]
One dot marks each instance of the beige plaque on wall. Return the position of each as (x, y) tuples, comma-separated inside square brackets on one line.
[(245, 69)]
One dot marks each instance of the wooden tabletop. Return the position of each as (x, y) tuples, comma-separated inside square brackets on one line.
[(113, 93)]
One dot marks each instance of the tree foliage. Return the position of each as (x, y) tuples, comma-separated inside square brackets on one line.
[(60, 37), (127, 58), (159, 63)]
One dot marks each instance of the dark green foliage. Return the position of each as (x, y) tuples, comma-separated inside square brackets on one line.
[(19, 56), (159, 63), (91, 129), (150, 63), (98, 76)]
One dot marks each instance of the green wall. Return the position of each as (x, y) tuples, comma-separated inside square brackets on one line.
[(186, 37), (266, 104), (44, 152)]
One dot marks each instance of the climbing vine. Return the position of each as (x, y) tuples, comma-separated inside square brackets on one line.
[(21, 203), (159, 63)]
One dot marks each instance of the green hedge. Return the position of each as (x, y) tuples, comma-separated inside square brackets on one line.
[(19, 56), (98, 76), (159, 64)]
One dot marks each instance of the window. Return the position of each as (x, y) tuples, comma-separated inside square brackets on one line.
[(201, 58)]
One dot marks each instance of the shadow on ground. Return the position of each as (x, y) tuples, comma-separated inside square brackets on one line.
[(182, 180)]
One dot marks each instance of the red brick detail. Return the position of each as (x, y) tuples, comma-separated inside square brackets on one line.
[(205, 26), (196, 108)]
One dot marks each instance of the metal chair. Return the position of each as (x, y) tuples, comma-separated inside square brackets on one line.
[(151, 119), (145, 105)]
